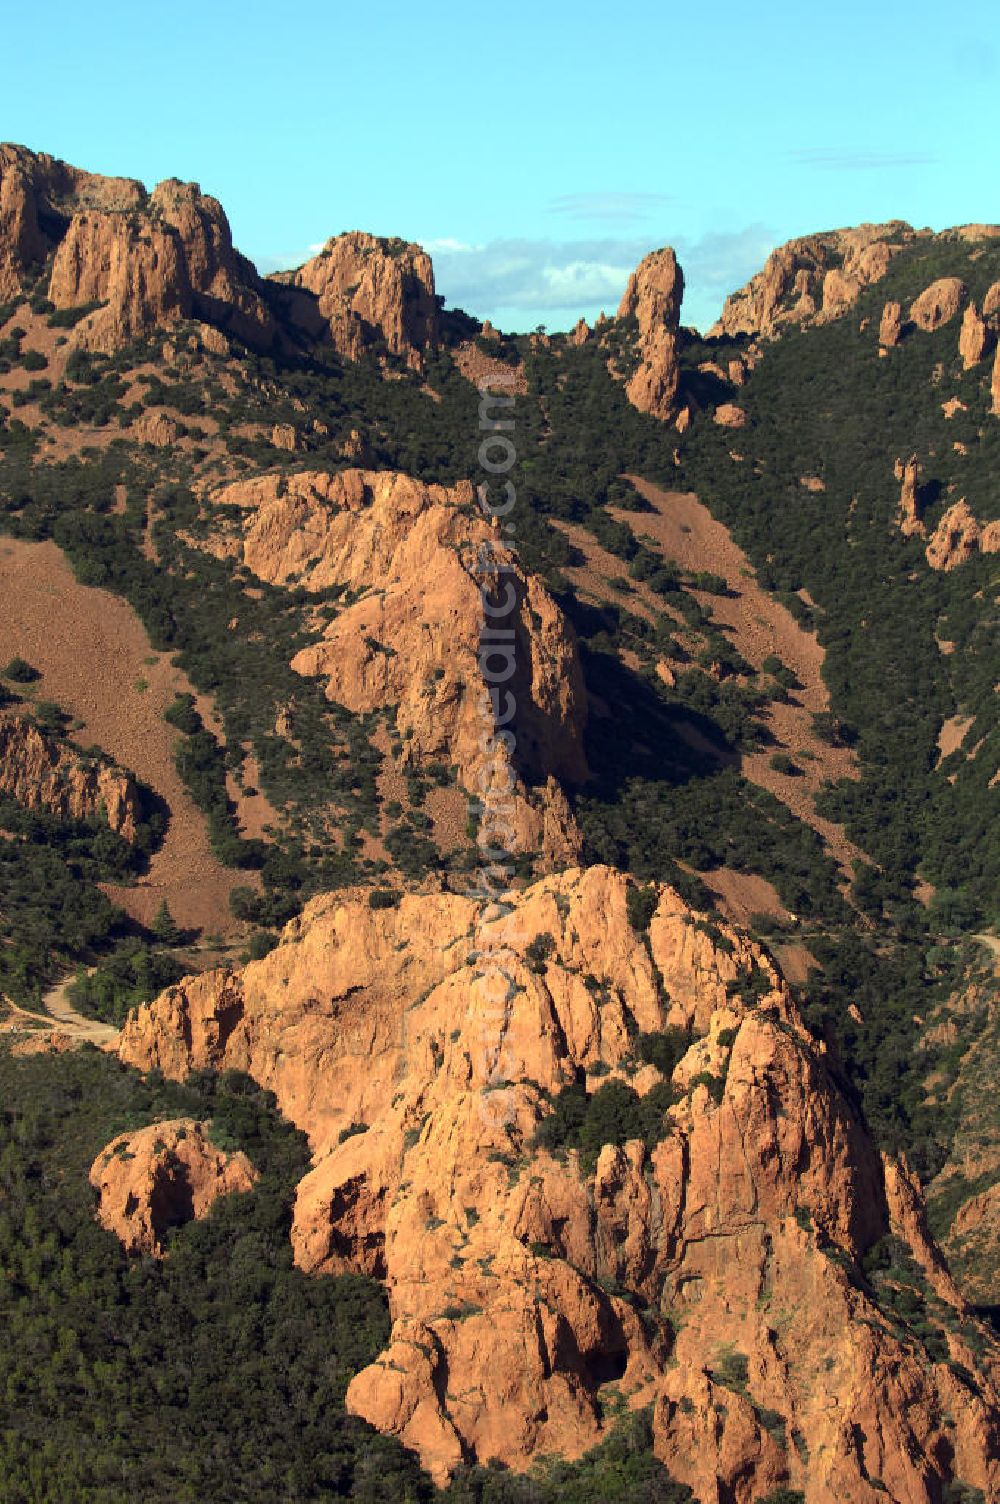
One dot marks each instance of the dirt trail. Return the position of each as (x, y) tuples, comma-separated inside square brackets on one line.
[(60, 1020), (97, 663), (681, 528), (57, 1003)]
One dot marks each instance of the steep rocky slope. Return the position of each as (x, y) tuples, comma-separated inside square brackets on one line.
[(813, 278), (708, 1259), (133, 261), (416, 560), (367, 295), (41, 772)]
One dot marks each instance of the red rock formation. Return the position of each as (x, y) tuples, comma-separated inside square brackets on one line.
[(714, 1274), (153, 1179), (891, 327), (38, 194), (812, 279), (991, 301), (149, 259), (728, 415), (958, 537), (42, 773), (910, 523), (973, 339), (369, 295), (413, 554), (938, 304), (155, 428), (653, 297)]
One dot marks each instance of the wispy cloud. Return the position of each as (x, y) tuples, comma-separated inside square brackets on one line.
[(267, 264), (612, 207), (518, 282), (845, 159)]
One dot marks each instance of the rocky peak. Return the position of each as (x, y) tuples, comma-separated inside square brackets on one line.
[(974, 337), (813, 279), (148, 259), (653, 298), (959, 537), (369, 294), (890, 328), (908, 474), (706, 1260)]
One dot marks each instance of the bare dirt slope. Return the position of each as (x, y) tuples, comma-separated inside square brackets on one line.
[(94, 655), (682, 528)]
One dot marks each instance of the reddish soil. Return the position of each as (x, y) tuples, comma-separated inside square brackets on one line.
[(953, 734), (94, 655), (682, 528), (742, 895)]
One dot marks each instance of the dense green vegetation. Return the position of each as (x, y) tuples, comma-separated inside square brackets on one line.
[(51, 910)]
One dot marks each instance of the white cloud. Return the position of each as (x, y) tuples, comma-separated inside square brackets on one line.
[(292, 259), (520, 282)]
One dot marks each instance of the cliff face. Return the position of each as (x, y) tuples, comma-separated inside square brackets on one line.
[(369, 295), (814, 278), (411, 636), (41, 773), (38, 195), (653, 297), (170, 259), (707, 1264), (160, 1177), (152, 259)]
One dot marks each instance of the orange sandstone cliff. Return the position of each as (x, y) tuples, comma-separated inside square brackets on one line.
[(43, 773), (156, 1178), (411, 557), (368, 295), (711, 1267), (151, 260), (653, 298)]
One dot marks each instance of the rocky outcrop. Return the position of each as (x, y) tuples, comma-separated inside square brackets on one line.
[(41, 772), (155, 428), (959, 537), (991, 300), (416, 560), (707, 1262), (653, 298), (728, 415), (170, 259), (938, 304), (910, 521), (368, 295), (995, 385), (973, 339), (151, 1180), (813, 279), (890, 328), (38, 195), (149, 260)]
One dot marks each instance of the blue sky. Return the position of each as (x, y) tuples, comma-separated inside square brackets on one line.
[(537, 149)]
